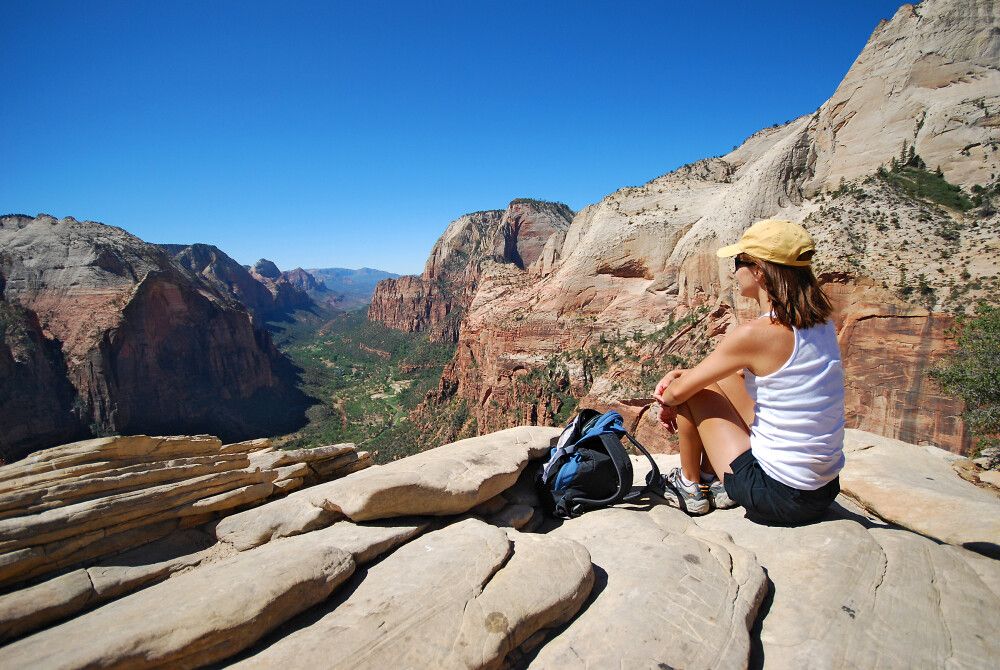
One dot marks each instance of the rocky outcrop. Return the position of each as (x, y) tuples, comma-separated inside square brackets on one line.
[(145, 344), (641, 585), (284, 287), (438, 482), (525, 236), (268, 293), (226, 275), (303, 281), (599, 316), (79, 502)]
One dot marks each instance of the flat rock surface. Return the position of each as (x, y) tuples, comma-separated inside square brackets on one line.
[(451, 479), (849, 594), (917, 488), (673, 596), (460, 597)]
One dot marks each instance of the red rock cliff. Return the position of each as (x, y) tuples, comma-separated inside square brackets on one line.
[(146, 345)]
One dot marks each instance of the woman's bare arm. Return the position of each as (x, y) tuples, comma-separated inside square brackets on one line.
[(738, 350)]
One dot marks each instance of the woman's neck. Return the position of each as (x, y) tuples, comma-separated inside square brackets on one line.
[(764, 302)]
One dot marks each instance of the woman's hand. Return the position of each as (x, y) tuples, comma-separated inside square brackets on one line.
[(667, 413), (661, 393), (668, 417)]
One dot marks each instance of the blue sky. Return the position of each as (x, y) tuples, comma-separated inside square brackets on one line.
[(348, 134)]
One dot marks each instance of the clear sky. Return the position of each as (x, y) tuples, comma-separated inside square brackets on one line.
[(348, 134)]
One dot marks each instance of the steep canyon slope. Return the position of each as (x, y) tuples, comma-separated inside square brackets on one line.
[(632, 286), (107, 333)]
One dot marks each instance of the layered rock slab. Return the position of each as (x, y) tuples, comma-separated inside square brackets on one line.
[(668, 594), (916, 487), (297, 574), (460, 597), (451, 479), (200, 617), (847, 593)]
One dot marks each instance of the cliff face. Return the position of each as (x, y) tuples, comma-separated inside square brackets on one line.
[(526, 236), (598, 314), (287, 294), (225, 275), (265, 291), (144, 344), (36, 399)]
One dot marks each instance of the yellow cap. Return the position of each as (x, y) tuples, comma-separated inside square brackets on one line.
[(775, 240)]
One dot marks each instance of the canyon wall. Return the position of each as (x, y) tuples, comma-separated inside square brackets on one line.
[(526, 236), (138, 342)]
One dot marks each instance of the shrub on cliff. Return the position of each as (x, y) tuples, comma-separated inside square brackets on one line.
[(971, 372)]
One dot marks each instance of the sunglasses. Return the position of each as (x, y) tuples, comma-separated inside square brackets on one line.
[(740, 262)]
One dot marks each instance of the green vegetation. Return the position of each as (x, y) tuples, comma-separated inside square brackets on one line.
[(641, 354), (909, 174), (365, 378), (972, 373)]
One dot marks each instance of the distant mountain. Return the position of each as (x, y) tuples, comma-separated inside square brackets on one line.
[(267, 292), (346, 289), (101, 333)]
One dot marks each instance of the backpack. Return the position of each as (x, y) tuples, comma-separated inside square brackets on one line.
[(590, 468)]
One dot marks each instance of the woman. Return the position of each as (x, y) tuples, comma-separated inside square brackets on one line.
[(765, 410)]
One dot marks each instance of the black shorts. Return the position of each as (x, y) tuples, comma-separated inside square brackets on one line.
[(767, 499)]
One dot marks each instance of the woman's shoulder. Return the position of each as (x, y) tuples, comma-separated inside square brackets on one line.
[(757, 328), (765, 344)]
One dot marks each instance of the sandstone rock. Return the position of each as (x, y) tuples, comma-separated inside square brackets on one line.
[(56, 462), (491, 506), (288, 485), (448, 480), (28, 609), (200, 616), (674, 596), (112, 510), (847, 596), (274, 459), (471, 594), (916, 487), (288, 516), (341, 465), (512, 516), (247, 446)]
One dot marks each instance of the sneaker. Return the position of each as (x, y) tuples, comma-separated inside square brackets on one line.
[(717, 496), (690, 498)]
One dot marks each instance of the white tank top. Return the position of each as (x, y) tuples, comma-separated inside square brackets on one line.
[(798, 429)]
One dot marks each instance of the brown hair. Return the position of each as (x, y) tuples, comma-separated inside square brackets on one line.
[(796, 298)]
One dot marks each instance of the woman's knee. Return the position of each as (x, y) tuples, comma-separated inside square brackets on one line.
[(710, 401)]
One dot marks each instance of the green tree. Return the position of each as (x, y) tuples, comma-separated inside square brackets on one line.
[(972, 372)]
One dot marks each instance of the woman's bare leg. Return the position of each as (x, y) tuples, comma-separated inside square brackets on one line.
[(713, 426)]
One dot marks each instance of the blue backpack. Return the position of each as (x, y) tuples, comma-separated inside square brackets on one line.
[(590, 468)]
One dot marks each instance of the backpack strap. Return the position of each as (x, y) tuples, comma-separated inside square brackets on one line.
[(623, 468), (654, 481)]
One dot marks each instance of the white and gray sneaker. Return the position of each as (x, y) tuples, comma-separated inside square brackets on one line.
[(718, 498), (692, 498)]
